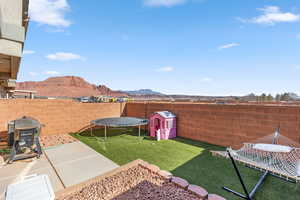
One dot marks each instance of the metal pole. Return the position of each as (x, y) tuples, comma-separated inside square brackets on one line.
[(91, 130), (139, 131), (105, 132), (239, 176), (235, 193), (258, 184)]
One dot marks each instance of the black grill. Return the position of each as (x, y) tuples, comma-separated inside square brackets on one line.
[(23, 136)]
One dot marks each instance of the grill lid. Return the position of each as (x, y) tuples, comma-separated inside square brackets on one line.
[(26, 123)]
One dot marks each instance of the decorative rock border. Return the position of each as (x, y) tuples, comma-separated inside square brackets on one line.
[(166, 174), (199, 191), (214, 197), (180, 182)]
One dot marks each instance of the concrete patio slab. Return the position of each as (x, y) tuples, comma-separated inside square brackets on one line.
[(54, 179), (66, 152), (76, 162), (19, 170), (65, 165)]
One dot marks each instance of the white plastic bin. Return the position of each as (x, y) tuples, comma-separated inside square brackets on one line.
[(33, 188)]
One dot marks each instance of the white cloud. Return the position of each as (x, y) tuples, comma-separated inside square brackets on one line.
[(51, 73), (272, 15), (297, 67), (165, 69), (163, 3), (206, 80), (64, 56), (50, 12), (28, 52), (33, 73), (226, 46)]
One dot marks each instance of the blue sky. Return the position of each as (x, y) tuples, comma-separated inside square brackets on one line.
[(203, 47)]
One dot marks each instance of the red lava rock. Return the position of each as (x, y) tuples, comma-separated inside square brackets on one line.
[(135, 183), (180, 181), (153, 168), (215, 197), (201, 192), (54, 140)]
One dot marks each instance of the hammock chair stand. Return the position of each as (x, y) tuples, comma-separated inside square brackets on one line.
[(247, 195)]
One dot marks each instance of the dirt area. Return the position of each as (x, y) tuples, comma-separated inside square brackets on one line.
[(54, 140), (136, 182)]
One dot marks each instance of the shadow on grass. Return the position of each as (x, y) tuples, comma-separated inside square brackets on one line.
[(212, 173), (197, 165), (96, 138)]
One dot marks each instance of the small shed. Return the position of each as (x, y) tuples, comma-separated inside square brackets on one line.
[(164, 124)]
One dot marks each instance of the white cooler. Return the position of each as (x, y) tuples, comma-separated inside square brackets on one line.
[(37, 187)]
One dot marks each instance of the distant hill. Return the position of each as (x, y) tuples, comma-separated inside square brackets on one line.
[(73, 86), (67, 86), (143, 92)]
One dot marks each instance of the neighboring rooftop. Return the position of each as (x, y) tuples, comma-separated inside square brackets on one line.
[(166, 114)]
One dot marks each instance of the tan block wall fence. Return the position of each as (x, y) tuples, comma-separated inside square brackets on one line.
[(59, 116), (226, 125)]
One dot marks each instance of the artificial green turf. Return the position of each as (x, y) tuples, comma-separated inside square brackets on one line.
[(187, 159)]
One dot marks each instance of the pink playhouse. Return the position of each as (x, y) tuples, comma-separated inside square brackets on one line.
[(163, 125)]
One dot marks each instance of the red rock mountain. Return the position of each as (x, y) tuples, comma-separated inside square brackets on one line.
[(67, 86)]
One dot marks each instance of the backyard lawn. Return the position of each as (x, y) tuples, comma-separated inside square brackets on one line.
[(187, 159)]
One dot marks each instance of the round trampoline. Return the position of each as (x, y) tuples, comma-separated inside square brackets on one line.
[(119, 122)]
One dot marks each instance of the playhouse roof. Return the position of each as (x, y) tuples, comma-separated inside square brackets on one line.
[(166, 114)]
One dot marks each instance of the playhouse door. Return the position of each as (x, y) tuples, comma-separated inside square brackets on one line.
[(156, 124)]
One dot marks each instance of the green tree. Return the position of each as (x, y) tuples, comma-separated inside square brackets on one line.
[(285, 97), (263, 97), (278, 97), (270, 97)]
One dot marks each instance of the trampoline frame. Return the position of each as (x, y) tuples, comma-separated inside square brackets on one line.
[(106, 125)]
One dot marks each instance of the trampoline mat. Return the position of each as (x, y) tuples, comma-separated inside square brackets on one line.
[(120, 122)]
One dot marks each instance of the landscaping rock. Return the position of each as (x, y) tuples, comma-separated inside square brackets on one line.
[(215, 197), (135, 183), (165, 174), (180, 182), (54, 140), (201, 192), (153, 168)]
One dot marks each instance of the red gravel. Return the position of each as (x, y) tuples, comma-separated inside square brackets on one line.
[(134, 183), (54, 140)]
